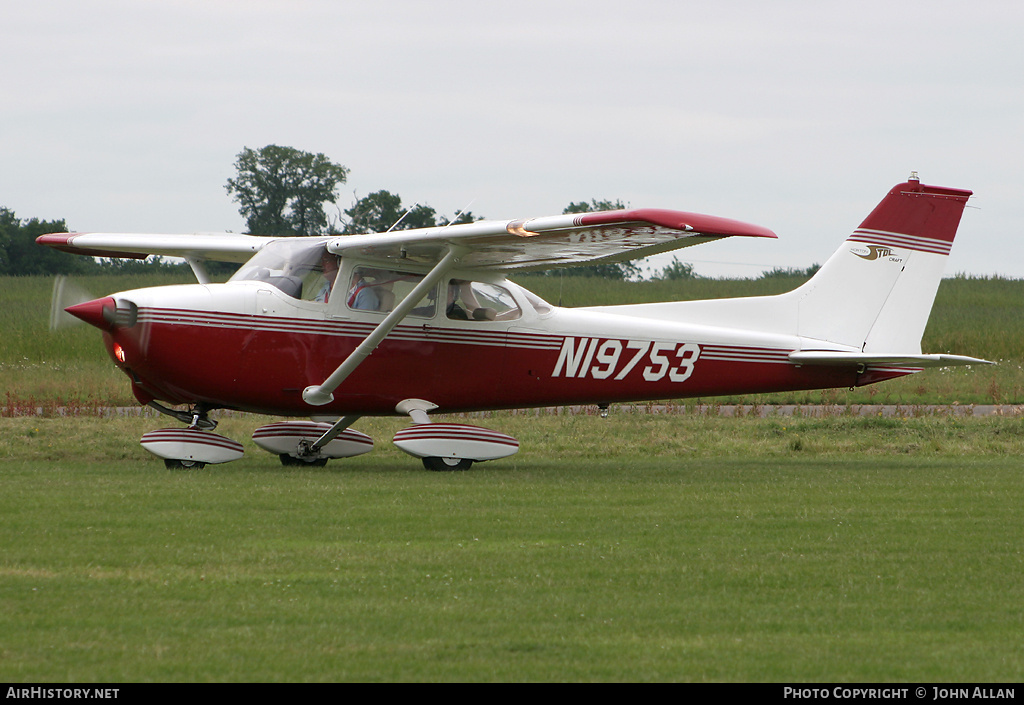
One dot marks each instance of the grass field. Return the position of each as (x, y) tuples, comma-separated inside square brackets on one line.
[(633, 548)]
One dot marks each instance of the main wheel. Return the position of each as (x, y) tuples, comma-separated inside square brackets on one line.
[(291, 461), (447, 464), (183, 464)]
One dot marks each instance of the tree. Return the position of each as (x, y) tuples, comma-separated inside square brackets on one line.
[(607, 270), (594, 206), (382, 211), (677, 270), (282, 190), (20, 255)]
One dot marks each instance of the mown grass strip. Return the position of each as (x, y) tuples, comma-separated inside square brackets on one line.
[(687, 548)]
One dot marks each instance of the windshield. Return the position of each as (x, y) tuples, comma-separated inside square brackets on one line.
[(300, 268)]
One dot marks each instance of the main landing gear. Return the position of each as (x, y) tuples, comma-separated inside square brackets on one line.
[(447, 464), (440, 446), (448, 446), (309, 443)]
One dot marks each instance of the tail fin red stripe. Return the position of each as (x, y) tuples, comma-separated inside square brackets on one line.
[(918, 211)]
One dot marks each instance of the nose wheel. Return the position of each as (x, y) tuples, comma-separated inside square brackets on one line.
[(190, 448)]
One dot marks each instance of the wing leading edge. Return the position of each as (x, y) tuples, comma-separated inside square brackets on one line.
[(223, 247)]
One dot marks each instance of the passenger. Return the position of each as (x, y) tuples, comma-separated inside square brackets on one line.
[(361, 294)]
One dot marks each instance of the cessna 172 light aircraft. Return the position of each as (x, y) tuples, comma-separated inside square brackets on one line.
[(419, 321)]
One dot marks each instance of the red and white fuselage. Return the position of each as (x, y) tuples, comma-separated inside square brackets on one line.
[(246, 346)]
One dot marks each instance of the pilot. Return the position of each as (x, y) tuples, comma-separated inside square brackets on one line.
[(453, 310), (463, 304), (329, 263)]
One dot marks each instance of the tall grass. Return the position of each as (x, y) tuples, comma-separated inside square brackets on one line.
[(25, 316), (978, 313), (69, 364)]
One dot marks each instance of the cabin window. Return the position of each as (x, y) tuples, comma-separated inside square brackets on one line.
[(380, 290), (480, 301)]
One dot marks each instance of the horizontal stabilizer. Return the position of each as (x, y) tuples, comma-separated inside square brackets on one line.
[(829, 357)]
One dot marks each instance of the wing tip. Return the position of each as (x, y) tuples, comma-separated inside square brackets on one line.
[(681, 221)]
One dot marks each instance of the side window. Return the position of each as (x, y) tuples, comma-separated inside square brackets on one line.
[(380, 290), (480, 301)]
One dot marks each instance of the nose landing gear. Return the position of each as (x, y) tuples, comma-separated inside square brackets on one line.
[(190, 448)]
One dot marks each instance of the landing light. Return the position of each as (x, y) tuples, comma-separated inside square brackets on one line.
[(118, 353)]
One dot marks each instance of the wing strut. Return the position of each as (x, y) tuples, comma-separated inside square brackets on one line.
[(313, 449), (199, 269), (318, 395)]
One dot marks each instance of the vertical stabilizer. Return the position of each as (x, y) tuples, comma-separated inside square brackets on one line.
[(876, 292)]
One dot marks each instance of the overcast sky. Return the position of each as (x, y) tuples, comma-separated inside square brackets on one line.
[(120, 115)]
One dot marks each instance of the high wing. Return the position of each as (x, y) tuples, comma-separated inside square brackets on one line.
[(552, 241), (526, 244), (223, 247)]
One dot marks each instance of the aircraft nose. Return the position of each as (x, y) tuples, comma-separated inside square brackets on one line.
[(98, 312), (106, 313)]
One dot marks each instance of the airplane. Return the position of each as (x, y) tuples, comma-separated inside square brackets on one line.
[(325, 330)]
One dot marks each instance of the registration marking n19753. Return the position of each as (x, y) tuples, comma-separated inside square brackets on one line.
[(603, 359)]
